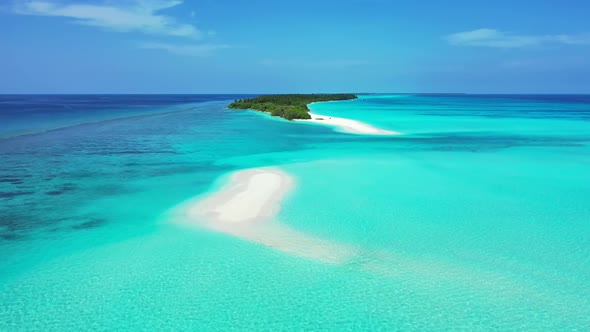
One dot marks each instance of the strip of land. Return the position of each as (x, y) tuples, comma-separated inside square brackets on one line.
[(295, 107), (246, 208), (290, 107), (348, 125)]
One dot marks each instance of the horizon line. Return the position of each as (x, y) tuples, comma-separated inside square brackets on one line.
[(294, 93)]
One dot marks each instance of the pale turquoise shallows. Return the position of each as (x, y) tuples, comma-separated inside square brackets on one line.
[(477, 218)]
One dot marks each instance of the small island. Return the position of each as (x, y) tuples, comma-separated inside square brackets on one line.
[(291, 106)]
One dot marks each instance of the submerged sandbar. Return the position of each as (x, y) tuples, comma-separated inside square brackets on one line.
[(246, 207)]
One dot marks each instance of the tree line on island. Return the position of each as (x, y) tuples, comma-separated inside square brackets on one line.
[(291, 106)]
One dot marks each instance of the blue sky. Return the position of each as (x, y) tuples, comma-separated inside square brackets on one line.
[(274, 46)]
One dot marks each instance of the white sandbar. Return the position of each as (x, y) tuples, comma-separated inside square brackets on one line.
[(246, 208), (348, 125)]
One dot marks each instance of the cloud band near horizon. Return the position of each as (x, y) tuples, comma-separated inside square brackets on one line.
[(498, 39)]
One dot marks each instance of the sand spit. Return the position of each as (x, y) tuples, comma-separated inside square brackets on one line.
[(246, 208), (348, 125)]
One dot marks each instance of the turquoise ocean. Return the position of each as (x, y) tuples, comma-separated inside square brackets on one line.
[(476, 218)]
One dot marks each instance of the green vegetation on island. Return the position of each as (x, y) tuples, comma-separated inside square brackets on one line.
[(290, 107)]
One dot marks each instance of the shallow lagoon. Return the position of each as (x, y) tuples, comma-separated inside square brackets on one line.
[(476, 218)]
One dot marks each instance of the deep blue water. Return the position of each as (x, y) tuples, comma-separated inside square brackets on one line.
[(29, 113)]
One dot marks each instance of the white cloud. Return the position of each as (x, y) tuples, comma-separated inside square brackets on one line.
[(200, 50), (495, 38), (134, 15), (334, 63), (547, 63)]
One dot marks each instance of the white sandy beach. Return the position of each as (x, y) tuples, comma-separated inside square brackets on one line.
[(348, 125), (246, 207)]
